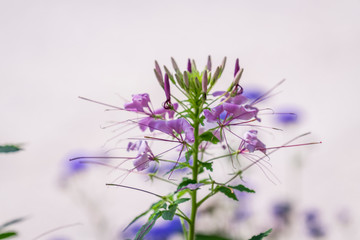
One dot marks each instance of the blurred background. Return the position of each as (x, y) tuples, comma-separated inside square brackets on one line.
[(51, 52)]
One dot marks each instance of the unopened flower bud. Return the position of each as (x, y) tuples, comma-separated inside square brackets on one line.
[(168, 72), (175, 66), (216, 74), (186, 79), (208, 65), (237, 77), (189, 66), (237, 67), (223, 63), (193, 64), (158, 74), (167, 87), (204, 82)]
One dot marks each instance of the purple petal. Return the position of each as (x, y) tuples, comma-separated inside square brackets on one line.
[(214, 114), (141, 162)]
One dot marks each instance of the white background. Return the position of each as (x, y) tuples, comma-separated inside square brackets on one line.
[(53, 51)]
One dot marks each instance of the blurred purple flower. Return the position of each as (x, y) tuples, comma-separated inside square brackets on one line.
[(287, 115), (313, 224), (252, 93), (281, 212)]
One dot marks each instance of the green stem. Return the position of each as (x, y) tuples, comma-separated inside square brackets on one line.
[(195, 171)]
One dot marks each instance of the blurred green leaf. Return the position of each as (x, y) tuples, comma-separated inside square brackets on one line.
[(7, 235), (261, 235), (9, 148)]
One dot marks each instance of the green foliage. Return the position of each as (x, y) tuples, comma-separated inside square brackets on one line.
[(227, 191), (155, 207), (185, 182), (169, 214), (206, 165), (181, 200), (145, 229), (209, 137), (261, 235), (9, 148), (242, 188), (7, 235)]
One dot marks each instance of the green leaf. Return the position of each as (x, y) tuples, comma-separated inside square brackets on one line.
[(227, 191), (7, 235), (9, 148), (209, 237), (185, 182), (169, 214), (156, 206), (207, 165), (261, 235), (242, 188), (145, 229), (209, 137), (181, 200)]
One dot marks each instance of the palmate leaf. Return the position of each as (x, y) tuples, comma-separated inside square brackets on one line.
[(7, 235), (145, 229), (261, 235), (9, 148)]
